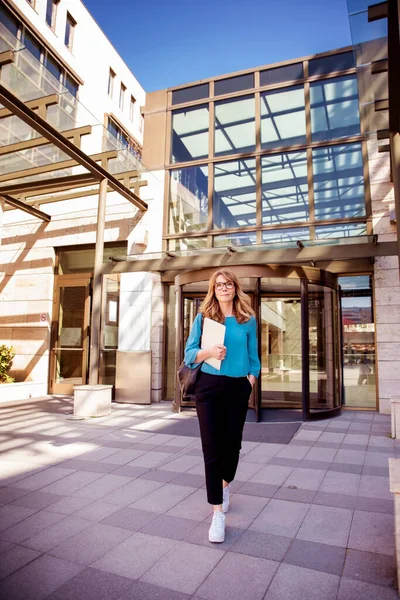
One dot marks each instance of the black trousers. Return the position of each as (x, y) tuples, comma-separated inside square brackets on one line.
[(221, 404)]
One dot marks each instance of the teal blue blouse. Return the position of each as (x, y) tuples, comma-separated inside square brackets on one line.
[(241, 348)]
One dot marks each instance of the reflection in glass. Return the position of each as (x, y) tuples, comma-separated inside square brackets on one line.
[(338, 182), (324, 357), (110, 325), (235, 126), (191, 243), (195, 92), (284, 188), (188, 199), (326, 232), (233, 84), (334, 108), (281, 74), (189, 134), (285, 236), (281, 362), (283, 121), (235, 239), (358, 341), (69, 364), (329, 64), (234, 200)]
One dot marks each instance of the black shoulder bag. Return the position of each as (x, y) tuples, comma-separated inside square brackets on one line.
[(187, 377)]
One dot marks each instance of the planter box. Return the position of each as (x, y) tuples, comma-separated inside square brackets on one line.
[(92, 400), (22, 390)]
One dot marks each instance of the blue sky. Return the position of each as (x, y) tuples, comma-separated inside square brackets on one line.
[(179, 41)]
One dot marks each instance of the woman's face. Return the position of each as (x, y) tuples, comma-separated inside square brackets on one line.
[(224, 289)]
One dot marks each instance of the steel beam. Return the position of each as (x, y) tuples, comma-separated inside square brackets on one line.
[(42, 141), (43, 184), (26, 208), (32, 104)]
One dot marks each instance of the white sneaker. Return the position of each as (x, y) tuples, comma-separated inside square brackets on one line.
[(217, 529), (225, 498)]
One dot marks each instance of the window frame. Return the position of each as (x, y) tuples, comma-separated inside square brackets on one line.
[(70, 25), (53, 17), (111, 82), (132, 105), (121, 101)]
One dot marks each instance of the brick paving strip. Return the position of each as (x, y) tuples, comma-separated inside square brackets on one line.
[(115, 509)]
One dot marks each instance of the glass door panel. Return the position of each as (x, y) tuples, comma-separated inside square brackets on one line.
[(109, 328), (281, 362), (70, 335), (324, 357)]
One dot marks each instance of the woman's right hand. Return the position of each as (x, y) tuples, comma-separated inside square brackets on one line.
[(218, 352)]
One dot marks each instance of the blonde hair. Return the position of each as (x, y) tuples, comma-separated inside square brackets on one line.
[(241, 303)]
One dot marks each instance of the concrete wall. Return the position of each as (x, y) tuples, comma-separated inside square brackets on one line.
[(386, 281)]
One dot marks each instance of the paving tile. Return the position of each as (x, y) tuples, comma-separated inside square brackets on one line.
[(356, 438), (10, 514), (335, 438), (295, 495), (37, 500), (5, 546), (194, 507), (315, 464), (47, 573), (88, 465), (258, 489), (262, 545), (188, 479), (319, 557), (160, 475), (92, 543), (244, 509), (244, 471), (195, 564), (346, 468), (71, 483), (131, 472), (53, 535), (376, 471), (99, 454), (140, 590), (308, 435), (96, 511), (151, 459), (324, 523), (378, 505), (92, 584), (130, 492), (130, 518), (292, 452), (15, 558), (43, 478), (354, 457), (237, 577), (375, 459), (340, 483), (170, 527), (295, 583), (325, 455), (308, 479), (11, 494), (281, 517), (379, 569), (272, 475), (381, 442), (106, 484), (358, 447), (164, 498), (359, 590), (136, 555), (30, 526), (69, 504), (372, 532), (374, 487), (337, 500), (284, 462)]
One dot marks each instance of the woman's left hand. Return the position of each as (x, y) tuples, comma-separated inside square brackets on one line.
[(252, 379)]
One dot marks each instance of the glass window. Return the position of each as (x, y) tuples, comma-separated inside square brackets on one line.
[(32, 45), (188, 199), (189, 94), (281, 74), (53, 67), (69, 31), (7, 19), (283, 121), (235, 129), (190, 134), (334, 108), (235, 239), (234, 84), (338, 182), (122, 96), (51, 12), (285, 236), (190, 243), (284, 188), (132, 109), (330, 64), (71, 86), (326, 232), (234, 200), (111, 79), (358, 341)]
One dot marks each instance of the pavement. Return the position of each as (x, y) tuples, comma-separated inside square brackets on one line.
[(112, 509)]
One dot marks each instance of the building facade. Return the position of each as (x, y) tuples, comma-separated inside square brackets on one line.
[(280, 173)]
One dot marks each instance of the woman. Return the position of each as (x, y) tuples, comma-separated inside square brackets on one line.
[(222, 395)]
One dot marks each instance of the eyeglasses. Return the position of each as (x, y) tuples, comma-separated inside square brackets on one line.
[(229, 285)]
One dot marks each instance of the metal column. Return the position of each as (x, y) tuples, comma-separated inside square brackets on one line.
[(94, 356)]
